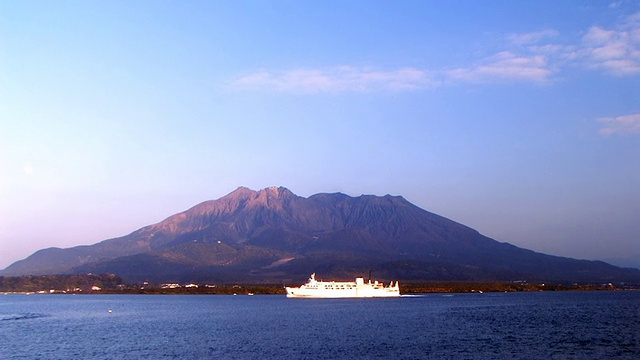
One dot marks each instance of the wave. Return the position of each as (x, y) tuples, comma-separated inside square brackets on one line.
[(25, 316)]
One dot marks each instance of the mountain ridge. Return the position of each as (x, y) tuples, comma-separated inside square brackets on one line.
[(274, 235)]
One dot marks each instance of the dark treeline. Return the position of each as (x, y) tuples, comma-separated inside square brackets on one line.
[(468, 287), (59, 283), (217, 290), (113, 284)]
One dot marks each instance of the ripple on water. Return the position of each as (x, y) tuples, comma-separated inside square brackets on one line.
[(23, 316)]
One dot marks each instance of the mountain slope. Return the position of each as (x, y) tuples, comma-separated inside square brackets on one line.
[(275, 235)]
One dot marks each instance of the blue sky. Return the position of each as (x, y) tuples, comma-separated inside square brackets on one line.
[(520, 119)]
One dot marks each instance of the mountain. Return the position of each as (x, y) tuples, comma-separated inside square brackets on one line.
[(273, 235), (627, 262)]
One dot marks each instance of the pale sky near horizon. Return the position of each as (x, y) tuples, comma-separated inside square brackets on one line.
[(520, 119)]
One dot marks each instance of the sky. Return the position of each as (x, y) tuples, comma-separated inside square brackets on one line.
[(520, 119)]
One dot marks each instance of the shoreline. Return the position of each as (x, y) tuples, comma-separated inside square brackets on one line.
[(408, 289)]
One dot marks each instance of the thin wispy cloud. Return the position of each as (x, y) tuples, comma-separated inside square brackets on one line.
[(505, 66), (626, 124), (531, 57), (337, 79), (532, 37), (615, 4)]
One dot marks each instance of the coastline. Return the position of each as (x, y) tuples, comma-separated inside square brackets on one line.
[(272, 289)]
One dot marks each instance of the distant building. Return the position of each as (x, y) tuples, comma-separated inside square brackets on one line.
[(170, 286)]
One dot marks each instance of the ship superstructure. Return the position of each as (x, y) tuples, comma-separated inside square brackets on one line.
[(338, 289)]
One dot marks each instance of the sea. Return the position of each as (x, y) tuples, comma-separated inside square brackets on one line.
[(533, 325)]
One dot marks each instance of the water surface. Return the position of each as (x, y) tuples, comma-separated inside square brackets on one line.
[(545, 325)]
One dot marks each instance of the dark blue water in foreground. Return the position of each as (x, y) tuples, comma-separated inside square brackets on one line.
[(547, 325)]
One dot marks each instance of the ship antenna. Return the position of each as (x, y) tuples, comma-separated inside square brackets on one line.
[(369, 275)]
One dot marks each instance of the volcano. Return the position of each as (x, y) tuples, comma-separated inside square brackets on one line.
[(273, 235)]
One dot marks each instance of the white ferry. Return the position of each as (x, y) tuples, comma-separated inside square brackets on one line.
[(334, 289)]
